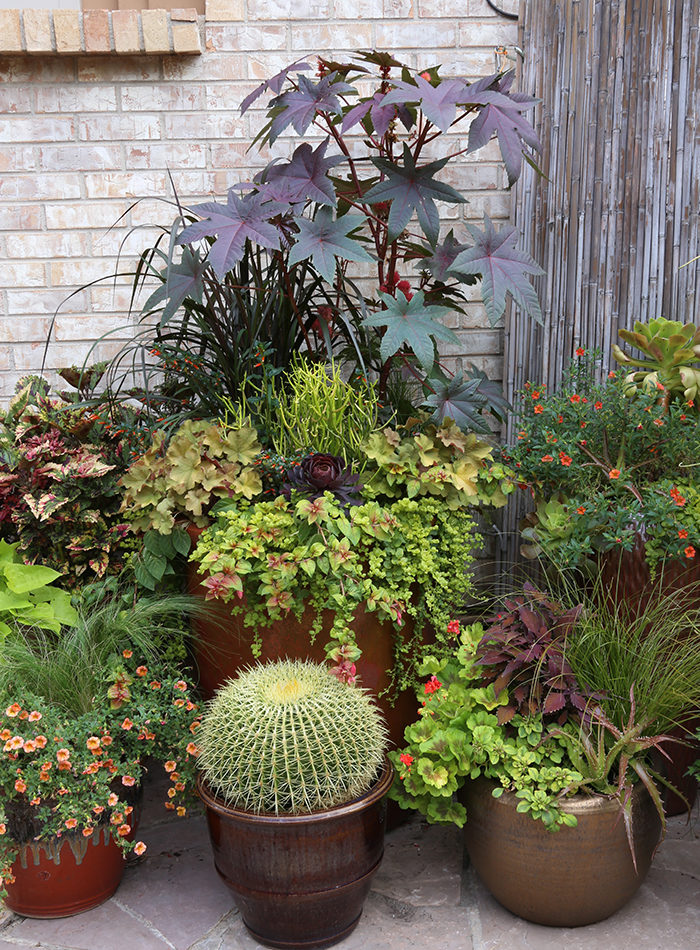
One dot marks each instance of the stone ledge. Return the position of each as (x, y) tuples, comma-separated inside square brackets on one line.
[(100, 32)]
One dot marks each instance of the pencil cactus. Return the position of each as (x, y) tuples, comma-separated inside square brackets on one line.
[(288, 737)]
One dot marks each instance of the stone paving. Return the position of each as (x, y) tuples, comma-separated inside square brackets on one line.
[(424, 895)]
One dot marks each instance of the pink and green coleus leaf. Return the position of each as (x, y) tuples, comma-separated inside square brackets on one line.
[(410, 188), (324, 238), (411, 323), (503, 269)]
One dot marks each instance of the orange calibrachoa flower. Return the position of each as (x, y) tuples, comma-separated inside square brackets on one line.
[(93, 743), (63, 755), (71, 822), (139, 848), (614, 473), (565, 459), (682, 534), (34, 716), (538, 409), (689, 551), (547, 458), (14, 710)]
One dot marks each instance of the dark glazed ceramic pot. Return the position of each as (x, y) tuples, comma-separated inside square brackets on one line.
[(568, 878), (300, 880), (62, 877)]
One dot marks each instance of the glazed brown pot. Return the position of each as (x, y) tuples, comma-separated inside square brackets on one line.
[(62, 877), (222, 649), (568, 878), (300, 880)]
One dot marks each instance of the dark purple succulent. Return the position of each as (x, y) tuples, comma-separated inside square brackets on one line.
[(319, 473)]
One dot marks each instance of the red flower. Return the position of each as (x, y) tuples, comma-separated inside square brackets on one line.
[(565, 459), (547, 458), (406, 759), (580, 351), (453, 627), (538, 409), (581, 510), (682, 533), (575, 398), (689, 551), (614, 473), (598, 405), (433, 685)]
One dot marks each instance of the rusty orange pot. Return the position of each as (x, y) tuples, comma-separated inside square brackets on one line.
[(568, 878), (300, 880), (65, 876)]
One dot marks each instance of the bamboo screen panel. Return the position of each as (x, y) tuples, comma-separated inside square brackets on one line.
[(619, 119)]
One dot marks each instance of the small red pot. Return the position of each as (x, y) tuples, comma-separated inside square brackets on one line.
[(63, 876)]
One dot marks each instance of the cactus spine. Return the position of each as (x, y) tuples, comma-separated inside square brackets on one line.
[(288, 737)]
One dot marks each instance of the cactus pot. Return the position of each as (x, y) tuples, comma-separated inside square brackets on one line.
[(568, 878), (66, 876), (300, 880)]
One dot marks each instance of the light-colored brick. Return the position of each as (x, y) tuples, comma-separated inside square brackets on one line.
[(183, 15), (118, 69), (85, 214), (125, 28), (186, 38), (246, 37), (329, 37), (224, 10), (167, 155), (210, 67), (36, 188), (78, 273), (30, 356), (106, 128), (96, 31), (124, 184), (162, 97), (14, 158), (10, 32), (36, 130), (23, 275), (59, 244), (359, 9), (399, 8), (473, 33), (28, 330), (90, 327), (293, 10), (37, 31), (41, 301), (79, 157), (31, 69), (419, 34), (16, 99), (76, 98), (20, 218), (66, 24), (154, 24)]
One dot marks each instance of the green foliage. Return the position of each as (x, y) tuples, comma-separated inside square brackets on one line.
[(59, 498), (408, 557), (435, 461), (185, 476), (289, 737), (27, 597), (608, 471), (155, 563), (458, 736), (669, 347)]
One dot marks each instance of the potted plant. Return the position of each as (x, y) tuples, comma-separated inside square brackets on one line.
[(545, 724), (612, 468), (80, 712), (294, 779)]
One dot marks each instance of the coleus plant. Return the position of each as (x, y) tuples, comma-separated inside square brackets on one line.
[(350, 199)]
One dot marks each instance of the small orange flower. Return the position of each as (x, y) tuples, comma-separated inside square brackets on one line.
[(682, 534), (127, 724), (598, 405), (171, 793), (71, 822), (87, 832), (614, 473), (156, 685), (20, 786), (689, 551), (128, 780), (565, 459), (192, 749), (41, 742), (181, 811), (13, 710), (98, 809), (107, 740), (580, 351), (181, 685), (123, 830), (581, 510), (141, 670), (112, 800), (30, 745), (547, 458), (5, 735), (139, 848), (63, 755), (64, 766), (538, 409), (93, 743), (170, 765), (44, 776), (3, 828), (34, 716), (127, 654)]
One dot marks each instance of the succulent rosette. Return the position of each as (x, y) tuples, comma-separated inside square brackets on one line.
[(318, 473)]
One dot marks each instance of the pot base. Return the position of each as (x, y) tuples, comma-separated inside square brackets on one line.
[(305, 944)]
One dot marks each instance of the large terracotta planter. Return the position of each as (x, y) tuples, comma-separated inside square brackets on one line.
[(567, 878), (66, 876), (222, 649), (300, 880)]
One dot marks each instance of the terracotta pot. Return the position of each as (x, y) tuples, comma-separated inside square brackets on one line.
[(568, 878), (300, 880), (222, 649), (62, 877)]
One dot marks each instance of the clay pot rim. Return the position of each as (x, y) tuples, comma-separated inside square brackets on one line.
[(580, 804), (377, 791)]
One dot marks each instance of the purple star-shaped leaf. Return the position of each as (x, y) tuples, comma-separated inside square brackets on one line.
[(305, 176), (298, 107), (380, 113), (180, 281), (411, 323), (324, 238), (503, 268), (439, 103), (412, 188), (232, 224), (274, 84), (442, 258)]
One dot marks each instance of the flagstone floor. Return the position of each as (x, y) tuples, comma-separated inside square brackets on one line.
[(424, 896)]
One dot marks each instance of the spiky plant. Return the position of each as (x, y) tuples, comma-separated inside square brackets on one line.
[(288, 737)]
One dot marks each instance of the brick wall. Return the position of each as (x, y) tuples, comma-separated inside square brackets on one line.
[(86, 142)]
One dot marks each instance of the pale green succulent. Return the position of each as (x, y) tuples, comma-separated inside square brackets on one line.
[(669, 349), (288, 737)]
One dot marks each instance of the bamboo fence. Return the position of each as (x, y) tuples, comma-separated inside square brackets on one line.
[(615, 220)]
